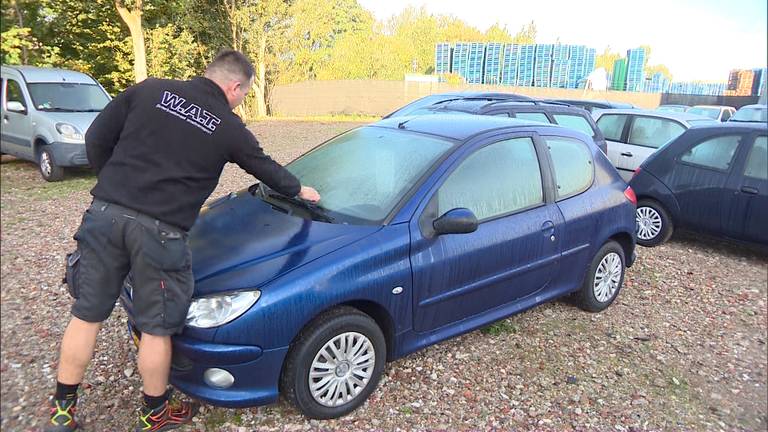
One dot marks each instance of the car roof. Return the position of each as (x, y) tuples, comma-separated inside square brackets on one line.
[(34, 74), (595, 101), (763, 106), (674, 105), (476, 105), (711, 106), (681, 116), (732, 126), (457, 126)]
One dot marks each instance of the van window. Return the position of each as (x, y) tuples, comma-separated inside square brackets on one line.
[(757, 161), (572, 162), (14, 93), (498, 179), (612, 125), (714, 153), (574, 122), (653, 132), (539, 117)]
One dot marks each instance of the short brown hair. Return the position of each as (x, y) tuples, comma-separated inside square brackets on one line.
[(231, 62)]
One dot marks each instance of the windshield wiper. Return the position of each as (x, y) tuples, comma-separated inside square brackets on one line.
[(317, 211), (58, 109)]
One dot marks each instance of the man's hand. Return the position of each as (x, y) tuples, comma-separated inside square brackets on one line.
[(309, 194)]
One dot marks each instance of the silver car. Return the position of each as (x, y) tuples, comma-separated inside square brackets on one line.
[(632, 135), (46, 113)]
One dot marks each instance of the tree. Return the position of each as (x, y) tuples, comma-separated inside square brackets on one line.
[(497, 33), (132, 19), (606, 59), (526, 35), (171, 53)]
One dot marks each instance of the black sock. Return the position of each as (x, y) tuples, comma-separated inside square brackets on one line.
[(66, 391), (152, 402)]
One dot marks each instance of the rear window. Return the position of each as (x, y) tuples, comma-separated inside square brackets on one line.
[(574, 122), (612, 125), (757, 161), (653, 132), (572, 162), (539, 117), (714, 153)]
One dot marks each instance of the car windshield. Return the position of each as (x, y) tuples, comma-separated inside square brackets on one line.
[(712, 113), (363, 174), (698, 122), (671, 108), (751, 115), (67, 97)]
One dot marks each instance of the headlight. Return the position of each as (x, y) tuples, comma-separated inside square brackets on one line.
[(69, 131), (207, 312)]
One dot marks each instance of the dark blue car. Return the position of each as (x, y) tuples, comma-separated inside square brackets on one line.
[(712, 179), (429, 227)]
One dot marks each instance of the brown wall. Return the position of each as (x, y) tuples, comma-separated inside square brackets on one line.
[(379, 98)]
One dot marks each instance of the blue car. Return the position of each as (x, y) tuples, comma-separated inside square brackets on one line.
[(429, 227), (712, 179)]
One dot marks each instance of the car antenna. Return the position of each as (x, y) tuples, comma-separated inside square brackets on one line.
[(401, 125)]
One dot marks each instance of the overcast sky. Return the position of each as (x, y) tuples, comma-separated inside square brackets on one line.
[(695, 39)]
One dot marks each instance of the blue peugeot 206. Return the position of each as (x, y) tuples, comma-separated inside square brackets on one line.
[(428, 227)]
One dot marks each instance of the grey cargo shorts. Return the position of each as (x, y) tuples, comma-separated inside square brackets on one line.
[(111, 242)]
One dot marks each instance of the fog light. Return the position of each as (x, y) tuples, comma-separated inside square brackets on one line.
[(218, 378)]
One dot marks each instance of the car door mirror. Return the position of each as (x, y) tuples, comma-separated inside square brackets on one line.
[(456, 221), (16, 107)]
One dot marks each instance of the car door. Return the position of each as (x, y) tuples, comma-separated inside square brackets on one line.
[(17, 126), (614, 128), (699, 177), (645, 135), (513, 253), (745, 212)]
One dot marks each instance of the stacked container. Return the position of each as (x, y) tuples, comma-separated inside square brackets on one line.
[(442, 58), (492, 74), (635, 65), (619, 79), (526, 64), (509, 64), (460, 60), (560, 65), (475, 63), (543, 65)]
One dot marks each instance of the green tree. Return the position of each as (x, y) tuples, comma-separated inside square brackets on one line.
[(606, 59), (526, 35), (497, 33), (171, 53)]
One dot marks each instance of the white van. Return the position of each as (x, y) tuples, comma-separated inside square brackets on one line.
[(46, 113)]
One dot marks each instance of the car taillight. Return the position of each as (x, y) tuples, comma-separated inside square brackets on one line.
[(630, 194), (637, 171)]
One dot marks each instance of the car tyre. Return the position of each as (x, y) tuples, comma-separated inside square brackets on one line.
[(654, 225), (604, 278), (48, 168), (352, 366)]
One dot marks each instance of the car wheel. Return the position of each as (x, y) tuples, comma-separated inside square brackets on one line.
[(604, 278), (48, 168), (334, 364), (654, 226)]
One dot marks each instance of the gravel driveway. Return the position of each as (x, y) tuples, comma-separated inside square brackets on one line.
[(683, 347)]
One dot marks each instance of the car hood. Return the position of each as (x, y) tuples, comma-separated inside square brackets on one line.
[(240, 241), (81, 120)]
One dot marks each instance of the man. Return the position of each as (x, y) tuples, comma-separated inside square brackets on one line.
[(159, 149)]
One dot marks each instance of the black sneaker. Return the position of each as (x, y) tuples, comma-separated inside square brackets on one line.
[(62, 416), (167, 416)]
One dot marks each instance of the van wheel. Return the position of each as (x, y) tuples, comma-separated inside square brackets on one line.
[(48, 168), (334, 364), (604, 278), (654, 226)]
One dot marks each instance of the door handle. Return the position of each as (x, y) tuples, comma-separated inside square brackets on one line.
[(548, 229), (750, 190), (627, 154), (5, 117)]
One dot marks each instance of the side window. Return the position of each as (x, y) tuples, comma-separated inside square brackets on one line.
[(539, 117), (499, 114), (612, 126), (757, 161), (501, 178), (2, 91), (14, 94), (653, 132), (574, 122), (572, 161), (714, 153)]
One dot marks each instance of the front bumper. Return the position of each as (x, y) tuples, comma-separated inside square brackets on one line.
[(256, 371), (69, 155)]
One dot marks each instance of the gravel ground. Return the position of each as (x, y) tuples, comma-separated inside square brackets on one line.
[(683, 347)]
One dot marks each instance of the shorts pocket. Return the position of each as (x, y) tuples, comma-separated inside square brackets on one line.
[(177, 295), (165, 250), (73, 273)]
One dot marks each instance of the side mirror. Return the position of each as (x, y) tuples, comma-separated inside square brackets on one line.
[(16, 107), (456, 221)]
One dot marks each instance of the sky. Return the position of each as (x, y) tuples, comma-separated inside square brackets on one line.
[(696, 39)]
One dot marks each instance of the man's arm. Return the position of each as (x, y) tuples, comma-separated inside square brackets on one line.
[(104, 132), (248, 154)]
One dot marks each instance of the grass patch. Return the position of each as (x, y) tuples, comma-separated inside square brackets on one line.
[(215, 419), (500, 328), (22, 178)]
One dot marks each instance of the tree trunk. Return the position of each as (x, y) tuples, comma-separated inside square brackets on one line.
[(261, 82), (24, 55), (133, 20)]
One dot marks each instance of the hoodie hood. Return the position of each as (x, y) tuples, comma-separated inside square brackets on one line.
[(242, 242)]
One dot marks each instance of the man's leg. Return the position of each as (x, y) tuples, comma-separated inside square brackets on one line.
[(77, 350), (154, 363)]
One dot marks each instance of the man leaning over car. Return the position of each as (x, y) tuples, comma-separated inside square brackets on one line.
[(158, 149)]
